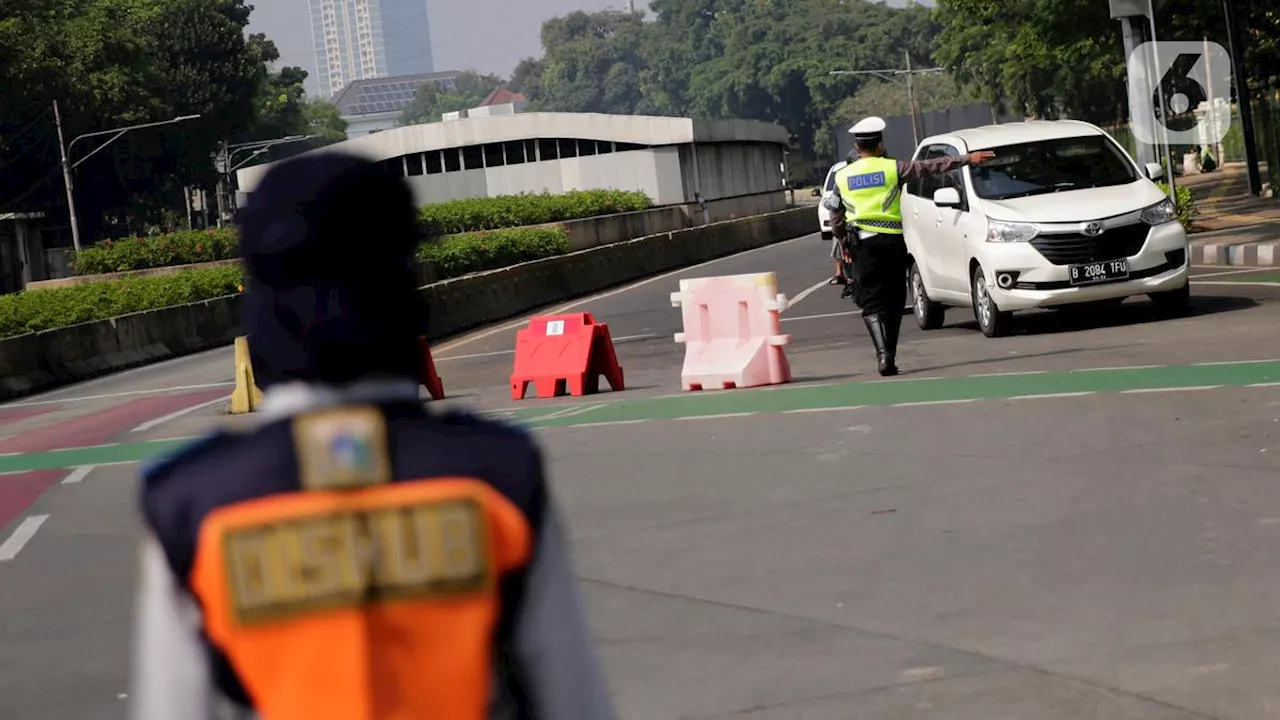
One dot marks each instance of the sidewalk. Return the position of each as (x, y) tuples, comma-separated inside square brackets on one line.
[(1232, 227)]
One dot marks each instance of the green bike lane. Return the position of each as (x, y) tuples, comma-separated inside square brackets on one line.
[(604, 409)]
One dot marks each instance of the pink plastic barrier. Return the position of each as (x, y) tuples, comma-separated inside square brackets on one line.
[(732, 334)]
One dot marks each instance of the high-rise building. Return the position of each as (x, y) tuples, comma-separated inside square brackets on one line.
[(364, 39)]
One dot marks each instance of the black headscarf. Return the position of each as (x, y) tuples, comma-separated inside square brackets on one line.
[(328, 244)]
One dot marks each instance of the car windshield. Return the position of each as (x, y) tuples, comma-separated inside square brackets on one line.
[(1051, 166)]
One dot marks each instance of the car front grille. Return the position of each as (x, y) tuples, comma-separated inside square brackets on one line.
[(1074, 248)]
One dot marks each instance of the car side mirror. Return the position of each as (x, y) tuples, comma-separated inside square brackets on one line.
[(946, 197), (817, 192), (1155, 171)]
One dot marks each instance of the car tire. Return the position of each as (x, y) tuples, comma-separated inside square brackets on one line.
[(929, 314), (1173, 303), (991, 320)]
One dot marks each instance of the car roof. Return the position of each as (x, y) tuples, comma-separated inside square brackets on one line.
[(1015, 133)]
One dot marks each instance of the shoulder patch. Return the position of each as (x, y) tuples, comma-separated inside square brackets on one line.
[(155, 468)]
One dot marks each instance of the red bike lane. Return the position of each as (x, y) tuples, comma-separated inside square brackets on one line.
[(20, 490)]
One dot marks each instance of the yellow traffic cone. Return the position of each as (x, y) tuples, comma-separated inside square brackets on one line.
[(246, 398)]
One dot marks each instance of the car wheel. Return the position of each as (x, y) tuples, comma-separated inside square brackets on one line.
[(991, 320), (1173, 303), (929, 314)]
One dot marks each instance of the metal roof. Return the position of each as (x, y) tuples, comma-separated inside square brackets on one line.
[(390, 94)]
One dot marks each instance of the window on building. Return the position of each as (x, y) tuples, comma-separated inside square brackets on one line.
[(515, 152), (434, 163), (493, 155), (452, 160), (548, 150), (568, 148), (626, 147), (473, 157), (586, 147), (413, 164), (531, 150)]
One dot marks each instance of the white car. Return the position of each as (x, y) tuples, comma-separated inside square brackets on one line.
[(1061, 215), (828, 187)]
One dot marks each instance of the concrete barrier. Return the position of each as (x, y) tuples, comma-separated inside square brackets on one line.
[(39, 361)]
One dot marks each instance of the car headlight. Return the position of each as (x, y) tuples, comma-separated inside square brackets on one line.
[(1160, 213), (1003, 232)]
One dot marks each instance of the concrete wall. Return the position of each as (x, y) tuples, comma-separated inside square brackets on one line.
[(725, 170), (654, 171), (38, 361)]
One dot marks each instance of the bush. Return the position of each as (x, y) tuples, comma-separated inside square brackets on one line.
[(180, 248), (1187, 210), (476, 252), (510, 211), (36, 310)]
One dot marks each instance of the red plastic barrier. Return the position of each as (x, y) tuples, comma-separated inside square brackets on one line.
[(560, 353), (427, 373)]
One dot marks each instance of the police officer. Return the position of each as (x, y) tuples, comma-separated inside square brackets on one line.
[(353, 556), (870, 190)]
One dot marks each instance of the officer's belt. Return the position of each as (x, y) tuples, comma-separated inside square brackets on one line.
[(886, 224)]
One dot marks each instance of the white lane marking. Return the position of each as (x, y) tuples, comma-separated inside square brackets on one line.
[(716, 417), (1238, 283), (175, 415), (806, 293), (1246, 271), (1141, 391), (607, 424), (1235, 362), (1122, 367), (1010, 374), (1225, 231), (935, 402), (78, 474), (108, 396), (823, 409), (21, 536), (1261, 385), (495, 353), (593, 298), (822, 316), (1044, 396), (570, 411)]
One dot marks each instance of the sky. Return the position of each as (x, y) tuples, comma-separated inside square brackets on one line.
[(489, 36)]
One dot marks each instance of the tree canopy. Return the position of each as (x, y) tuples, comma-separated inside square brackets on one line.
[(115, 63)]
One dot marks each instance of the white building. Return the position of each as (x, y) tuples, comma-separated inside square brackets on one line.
[(363, 39), (728, 168)]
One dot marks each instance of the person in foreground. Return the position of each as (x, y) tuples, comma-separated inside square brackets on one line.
[(870, 194), (353, 556)]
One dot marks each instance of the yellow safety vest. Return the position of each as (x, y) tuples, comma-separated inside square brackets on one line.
[(872, 195)]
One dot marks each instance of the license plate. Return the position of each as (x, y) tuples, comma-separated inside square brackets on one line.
[(1099, 272)]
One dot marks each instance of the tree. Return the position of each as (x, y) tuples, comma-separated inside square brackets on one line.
[(889, 99), (431, 101), (593, 63)]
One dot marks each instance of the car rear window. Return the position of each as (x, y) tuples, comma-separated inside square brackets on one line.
[(1051, 166)]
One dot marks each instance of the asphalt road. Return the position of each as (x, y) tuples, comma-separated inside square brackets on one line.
[(1078, 521)]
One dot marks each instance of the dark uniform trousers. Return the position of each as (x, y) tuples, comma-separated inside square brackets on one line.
[(269, 561), (881, 267)]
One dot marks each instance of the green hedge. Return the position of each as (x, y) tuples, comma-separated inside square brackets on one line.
[(36, 310), (180, 248), (476, 252), (1187, 208), (510, 211), (501, 213)]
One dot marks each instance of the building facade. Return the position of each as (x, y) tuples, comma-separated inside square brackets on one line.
[(375, 105), (364, 39), (718, 169)]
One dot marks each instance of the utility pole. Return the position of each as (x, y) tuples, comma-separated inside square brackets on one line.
[(891, 74), (911, 100), (66, 178), (631, 7)]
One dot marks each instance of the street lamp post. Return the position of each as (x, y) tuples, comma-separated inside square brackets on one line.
[(891, 74), (227, 154), (67, 166)]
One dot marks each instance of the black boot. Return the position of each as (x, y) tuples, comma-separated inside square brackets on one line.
[(892, 326), (876, 327)]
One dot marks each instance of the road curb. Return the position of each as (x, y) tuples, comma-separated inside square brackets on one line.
[(1248, 254)]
